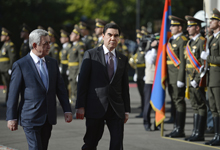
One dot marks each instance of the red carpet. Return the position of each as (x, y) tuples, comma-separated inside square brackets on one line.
[(132, 85)]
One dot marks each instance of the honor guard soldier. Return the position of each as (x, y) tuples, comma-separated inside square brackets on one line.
[(140, 72), (212, 57), (54, 47), (25, 49), (176, 74), (7, 58), (64, 39), (122, 48), (87, 39), (40, 27), (99, 26), (74, 59), (194, 48)]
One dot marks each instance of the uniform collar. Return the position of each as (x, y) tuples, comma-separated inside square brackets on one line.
[(195, 37), (177, 35)]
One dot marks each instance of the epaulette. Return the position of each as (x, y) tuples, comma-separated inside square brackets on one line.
[(11, 43), (124, 47), (81, 43), (184, 38), (69, 45), (202, 38), (55, 44), (217, 36), (89, 37)]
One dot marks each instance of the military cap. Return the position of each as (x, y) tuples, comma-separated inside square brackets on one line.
[(83, 25), (144, 30), (63, 33), (51, 32), (25, 28), (5, 32), (76, 29), (99, 23), (191, 21), (139, 34), (175, 21), (121, 36), (40, 27), (216, 14)]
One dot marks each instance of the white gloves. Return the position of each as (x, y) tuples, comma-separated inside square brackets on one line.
[(77, 78), (135, 77), (193, 83), (180, 84), (67, 72), (204, 55), (9, 71), (60, 69), (144, 78), (201, 68)]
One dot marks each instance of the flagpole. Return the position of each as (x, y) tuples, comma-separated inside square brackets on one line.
[(161, 130)]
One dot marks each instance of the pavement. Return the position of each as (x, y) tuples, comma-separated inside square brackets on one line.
[(66, 136)]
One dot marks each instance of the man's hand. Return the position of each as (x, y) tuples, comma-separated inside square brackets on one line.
[(194, 84), (180, 84), (13, 125), (80, 113), (135, 77), (126, 118), (9, 71), (204, 55), (68, 117)]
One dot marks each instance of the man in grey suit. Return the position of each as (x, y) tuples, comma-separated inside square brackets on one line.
[(36, 78), (103, 91)]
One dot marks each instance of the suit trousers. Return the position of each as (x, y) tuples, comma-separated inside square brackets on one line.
[(38, 137), (140, 85), (95, 129), (147, 105), (214, 100)]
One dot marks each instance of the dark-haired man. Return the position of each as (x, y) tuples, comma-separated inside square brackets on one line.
[(103, 91)]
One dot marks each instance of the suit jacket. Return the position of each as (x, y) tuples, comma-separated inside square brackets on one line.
[(95, 91), (37, 103)]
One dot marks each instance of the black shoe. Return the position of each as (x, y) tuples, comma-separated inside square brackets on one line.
[(171, 133), (209, 130), (139, 116), (178, 133), (210, 142), (171, 120), (147, 127)]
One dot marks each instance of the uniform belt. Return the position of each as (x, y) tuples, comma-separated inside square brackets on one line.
[(65, 62), (140, 65), (214, 65), (189, 66), (4, 59), (169, 62), (73, 64)]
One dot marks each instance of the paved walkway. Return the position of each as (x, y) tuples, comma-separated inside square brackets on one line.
[(70, 136)]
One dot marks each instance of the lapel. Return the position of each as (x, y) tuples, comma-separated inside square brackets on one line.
[(118, 63), (101, 58), (34, 68), (49, 70)]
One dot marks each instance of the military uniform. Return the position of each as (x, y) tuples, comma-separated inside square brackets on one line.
[(175, 75), (54, 47), (196, 93), (122, 48), (213, 81), (25, 49), (74, 61), (7, 58), (64, 52), (87, 39), (99, 24)]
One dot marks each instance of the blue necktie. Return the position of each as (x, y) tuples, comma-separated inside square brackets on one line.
[(43, 73)]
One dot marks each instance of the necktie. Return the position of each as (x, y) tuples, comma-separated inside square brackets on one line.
[(110, 65), (43, 73)]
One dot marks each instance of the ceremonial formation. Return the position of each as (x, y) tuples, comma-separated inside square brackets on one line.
[(89, 69)]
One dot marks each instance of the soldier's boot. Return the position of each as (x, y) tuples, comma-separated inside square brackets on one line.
[(200, 130), (173, 131), (180, 117), (195, 126), (216, 128), (173, 114), (217, 137)]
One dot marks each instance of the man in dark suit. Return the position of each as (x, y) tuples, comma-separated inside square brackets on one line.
[(103, 91), (37, 79)]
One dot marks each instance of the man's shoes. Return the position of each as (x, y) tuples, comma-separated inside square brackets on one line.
[(147, 127), (209, 130), (171, 120), (139, 116)]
